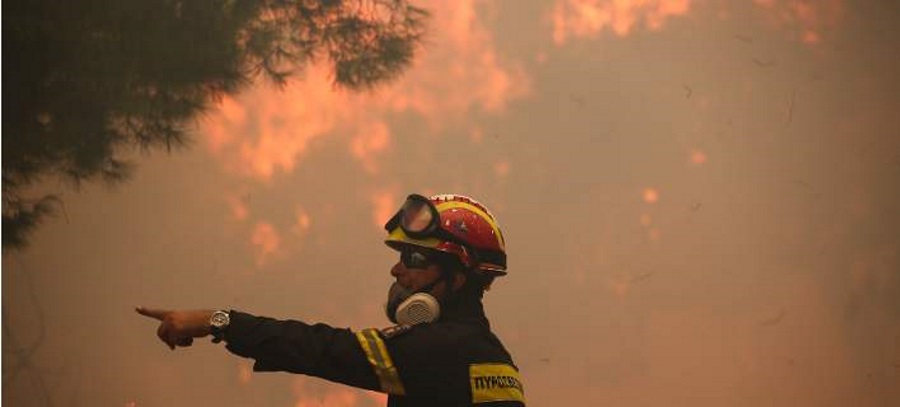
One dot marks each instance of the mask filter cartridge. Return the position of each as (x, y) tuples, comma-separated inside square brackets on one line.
[(417, 309)]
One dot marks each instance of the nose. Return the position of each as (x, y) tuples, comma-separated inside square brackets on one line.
[(398, 269)]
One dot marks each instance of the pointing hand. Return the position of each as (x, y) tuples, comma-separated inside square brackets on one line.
[(179, 328)]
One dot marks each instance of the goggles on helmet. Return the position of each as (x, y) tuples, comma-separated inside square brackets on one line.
[(419, 219)]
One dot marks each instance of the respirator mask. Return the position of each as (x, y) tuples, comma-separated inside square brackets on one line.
[(408, 307)]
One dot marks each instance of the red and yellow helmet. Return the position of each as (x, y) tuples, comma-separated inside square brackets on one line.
[(453, 224)]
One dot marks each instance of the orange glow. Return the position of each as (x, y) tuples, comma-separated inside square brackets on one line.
[(265, 131), (501, 168), (239, 210), (372, 139), (245, 371), (618, 286), (281, 140), (379, 398), (698, 157), (383, 207), (266, 241), (588, 18), (476, 135), (646, 220), (301, 225), (578, 19), (313, 393), (341, 398), (650, 195), (805, 19), (232, 114), (810, 37)]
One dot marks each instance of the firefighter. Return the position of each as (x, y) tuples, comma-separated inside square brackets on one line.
[(440, 352)]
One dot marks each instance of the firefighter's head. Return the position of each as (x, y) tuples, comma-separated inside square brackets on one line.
[(450, 247)]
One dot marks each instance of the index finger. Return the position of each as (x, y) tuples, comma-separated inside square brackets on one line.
[(152, 313)]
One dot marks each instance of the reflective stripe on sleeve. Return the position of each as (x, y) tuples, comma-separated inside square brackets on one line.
[(381, 361)]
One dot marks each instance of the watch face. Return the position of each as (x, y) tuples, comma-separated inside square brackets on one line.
[(219, 319)]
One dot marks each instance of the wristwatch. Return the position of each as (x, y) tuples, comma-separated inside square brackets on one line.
[(218, 322)]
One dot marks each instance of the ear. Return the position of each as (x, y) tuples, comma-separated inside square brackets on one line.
[(459, 279)]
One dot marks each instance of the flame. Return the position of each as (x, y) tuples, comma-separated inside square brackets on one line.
[(810, 17), (587, 18), (651, 195), (266, 131), (369, 141), (383, 207), (301, 225), (231, 114), (472, 60), (698, 157), (263, 131), (266, 240)]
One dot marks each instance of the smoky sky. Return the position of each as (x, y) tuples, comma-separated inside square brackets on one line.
[(700, 201)]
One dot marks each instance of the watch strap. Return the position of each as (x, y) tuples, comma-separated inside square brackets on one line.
[(218, 323)]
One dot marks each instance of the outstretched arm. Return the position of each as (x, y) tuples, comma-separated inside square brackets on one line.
[(292, 346)]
